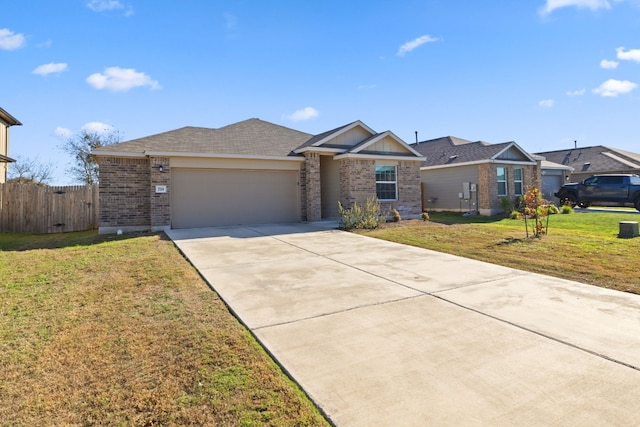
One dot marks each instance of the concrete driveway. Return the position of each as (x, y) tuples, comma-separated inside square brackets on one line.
[(382, 334)]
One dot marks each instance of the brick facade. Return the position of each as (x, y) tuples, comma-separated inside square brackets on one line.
[(357, 181), (489, 202), (357, 184), (312, 202), (160, 202), (124, 193)]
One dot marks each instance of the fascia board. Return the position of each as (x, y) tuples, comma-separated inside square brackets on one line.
[(343, 130), (222, 156), (513, 144), (318, 149), (379, 157), (383, 135), (117, 154)]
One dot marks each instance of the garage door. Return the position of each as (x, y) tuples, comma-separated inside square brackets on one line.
[(216, 197), (550, 184)]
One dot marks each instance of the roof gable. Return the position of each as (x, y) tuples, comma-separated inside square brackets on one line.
[(448, 151)]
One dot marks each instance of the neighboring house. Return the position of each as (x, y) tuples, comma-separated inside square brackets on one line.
[(252, 172), (587, 161), (466, 176), (6, 121), (554, 175)]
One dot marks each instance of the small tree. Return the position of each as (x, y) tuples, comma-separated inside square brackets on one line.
[(536, 208), (80, 146), (30, 171)]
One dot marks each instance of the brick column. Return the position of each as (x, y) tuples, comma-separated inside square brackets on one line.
[(312, 196), (160, 202)]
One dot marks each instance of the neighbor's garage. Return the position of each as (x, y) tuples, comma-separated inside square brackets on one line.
[(218, 197)]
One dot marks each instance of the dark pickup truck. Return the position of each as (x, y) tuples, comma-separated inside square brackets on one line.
[(620, 189)]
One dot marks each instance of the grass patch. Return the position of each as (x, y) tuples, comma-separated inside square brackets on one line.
[(121, 330), (584, 246)]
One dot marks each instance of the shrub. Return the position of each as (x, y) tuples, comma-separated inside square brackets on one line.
[(424, 216), (396, 215), (358, 217), (515, 215), (566, 209), (505, 203), (553, 209)]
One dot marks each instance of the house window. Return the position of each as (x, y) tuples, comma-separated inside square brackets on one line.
[(502, 181), (386, 183), (517, 181)]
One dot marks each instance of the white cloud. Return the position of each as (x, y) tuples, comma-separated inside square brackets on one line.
[(551, 5), (629, 55), (97, 127), (104, 5), (409, 46), (109, 5), (119, 79), (306, 113), (50, 68), (546, 103), (608, 65), (578, 92), (63, 132), (613, 88), (10, 40)]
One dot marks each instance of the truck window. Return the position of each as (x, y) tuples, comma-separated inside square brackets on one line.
[(591, 180), (635, 179), (611, 180)]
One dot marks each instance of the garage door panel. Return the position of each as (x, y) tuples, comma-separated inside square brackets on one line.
[(217, 197)]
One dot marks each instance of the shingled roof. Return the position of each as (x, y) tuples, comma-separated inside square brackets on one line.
[(450, 150), (252, 137), (594, 159)]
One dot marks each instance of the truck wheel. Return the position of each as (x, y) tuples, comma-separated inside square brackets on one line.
[(569, 199), (636, 203)]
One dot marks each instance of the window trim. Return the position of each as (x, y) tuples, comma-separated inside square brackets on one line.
[(518, 181), (505, 181), (395, 183)]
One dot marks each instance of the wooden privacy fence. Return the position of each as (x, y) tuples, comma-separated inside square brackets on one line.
[(30, 208)]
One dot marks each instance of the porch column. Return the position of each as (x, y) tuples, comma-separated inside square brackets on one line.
[(312, 186)]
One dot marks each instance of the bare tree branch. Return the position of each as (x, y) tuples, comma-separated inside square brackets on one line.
[(80, 147)]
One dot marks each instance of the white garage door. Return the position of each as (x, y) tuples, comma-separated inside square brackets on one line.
[(216, 197)]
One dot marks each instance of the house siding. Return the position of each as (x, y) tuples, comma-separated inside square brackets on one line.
[(490, 203), (4, 150), (124, 194), (441, 187)]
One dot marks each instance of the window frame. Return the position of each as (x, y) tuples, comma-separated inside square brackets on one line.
[(502, 181), (518, 182), (387, 182)]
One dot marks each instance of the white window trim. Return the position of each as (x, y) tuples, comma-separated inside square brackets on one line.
[(506, 181), (395, 183), (516, 181)]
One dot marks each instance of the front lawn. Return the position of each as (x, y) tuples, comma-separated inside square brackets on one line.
[(582, 246), (121, 330)]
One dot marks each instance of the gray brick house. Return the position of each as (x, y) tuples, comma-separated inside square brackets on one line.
[(252, 172)]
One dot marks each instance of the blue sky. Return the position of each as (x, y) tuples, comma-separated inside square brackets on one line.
[(543, 73)]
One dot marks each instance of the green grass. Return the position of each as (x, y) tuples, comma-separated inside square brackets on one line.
[(580, 246), (120, 330)]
